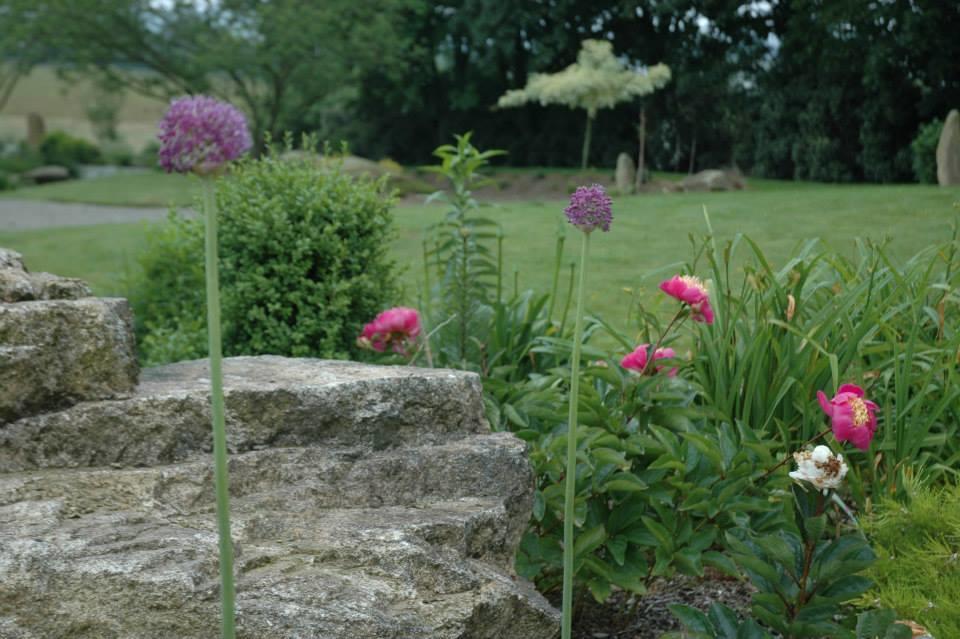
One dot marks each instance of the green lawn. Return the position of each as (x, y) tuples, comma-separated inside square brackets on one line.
[(139, 189), (648, 240)]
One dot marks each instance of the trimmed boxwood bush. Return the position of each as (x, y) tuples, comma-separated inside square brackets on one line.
[(303, 264), (66, 150)]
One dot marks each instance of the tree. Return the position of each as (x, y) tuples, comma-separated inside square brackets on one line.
[(276, 59), (597, 80), (18, 54)]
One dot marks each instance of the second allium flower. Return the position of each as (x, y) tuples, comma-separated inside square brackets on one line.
[(590, 208)]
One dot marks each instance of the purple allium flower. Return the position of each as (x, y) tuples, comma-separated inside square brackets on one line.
[(200, 134), (590, 208)]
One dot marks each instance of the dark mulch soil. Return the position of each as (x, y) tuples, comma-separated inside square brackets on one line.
[(626, 616)]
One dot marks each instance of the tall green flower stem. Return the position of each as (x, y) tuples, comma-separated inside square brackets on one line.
[(571, 472), (228, 623)]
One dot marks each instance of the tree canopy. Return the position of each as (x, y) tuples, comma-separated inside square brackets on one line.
[(791, 89), (597, 80)]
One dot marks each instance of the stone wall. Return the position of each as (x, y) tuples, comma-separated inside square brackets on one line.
[(368, 502)]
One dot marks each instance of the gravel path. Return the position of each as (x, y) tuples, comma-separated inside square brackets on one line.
[(17, 215)]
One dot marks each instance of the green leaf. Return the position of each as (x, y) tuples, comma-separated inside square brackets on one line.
[(750, 630), (589, 540), (662, 534), (625, 482), (724, 621), (692, 619), (846, 588), (873, 624), (599, 588), (539, 505), (618, 549), (721, 562)]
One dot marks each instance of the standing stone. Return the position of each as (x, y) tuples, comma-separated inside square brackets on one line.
[(948, 151), (626, 173), (36, 130)]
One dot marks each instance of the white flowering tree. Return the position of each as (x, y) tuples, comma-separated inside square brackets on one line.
[(597, 80)]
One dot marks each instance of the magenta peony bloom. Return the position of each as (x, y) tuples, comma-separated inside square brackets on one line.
[(590, 208), (637, 360), (690, 290), (201, 134), (852, 417), (395, 328)]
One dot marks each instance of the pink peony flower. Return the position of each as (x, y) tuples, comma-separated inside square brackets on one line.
[(692, 291), (852, 417), (637, 360), (395, 328)]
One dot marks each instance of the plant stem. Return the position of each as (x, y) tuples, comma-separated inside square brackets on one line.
[(681, 315), (227, 624), (566, 303), (557, 257), (571, 479), (586, 142)]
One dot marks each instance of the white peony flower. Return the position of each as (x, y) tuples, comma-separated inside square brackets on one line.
[(819, 467)]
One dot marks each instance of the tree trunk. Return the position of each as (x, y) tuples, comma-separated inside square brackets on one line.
[(642, 133), (693, 154), (586, 143)]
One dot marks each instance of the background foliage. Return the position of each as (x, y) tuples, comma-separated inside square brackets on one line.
[(793, 89)]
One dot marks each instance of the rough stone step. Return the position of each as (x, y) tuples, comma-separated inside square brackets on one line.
[(480, 466), (359, 573), (59, 352), (271, 402)]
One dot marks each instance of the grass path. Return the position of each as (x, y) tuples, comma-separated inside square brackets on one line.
[(649, 238)]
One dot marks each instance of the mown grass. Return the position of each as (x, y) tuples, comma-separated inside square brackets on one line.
[(649, 239), (137, 189)]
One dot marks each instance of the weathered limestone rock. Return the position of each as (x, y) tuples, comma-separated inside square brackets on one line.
[(57, 345), (47, 174), (948, 151), (59, 352), (626, 173), (368, 503), (713, 180), (17, 284)]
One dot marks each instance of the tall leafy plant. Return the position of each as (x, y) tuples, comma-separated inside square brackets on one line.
[(822, 319)]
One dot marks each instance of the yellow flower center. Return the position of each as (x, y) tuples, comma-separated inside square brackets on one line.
[(694, 282), (860, 414)]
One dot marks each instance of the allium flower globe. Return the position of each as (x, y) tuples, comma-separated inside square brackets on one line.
[(637, 360), (819, 467), (200, 134), (393, 329), (691, 291), (590, 208), (852, 417)]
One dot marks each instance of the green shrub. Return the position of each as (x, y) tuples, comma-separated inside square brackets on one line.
[(303, 264), (66, 150), (917, 572), (167, 293), (116, 152), (147, 156), (924, 148), (20, 158)]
